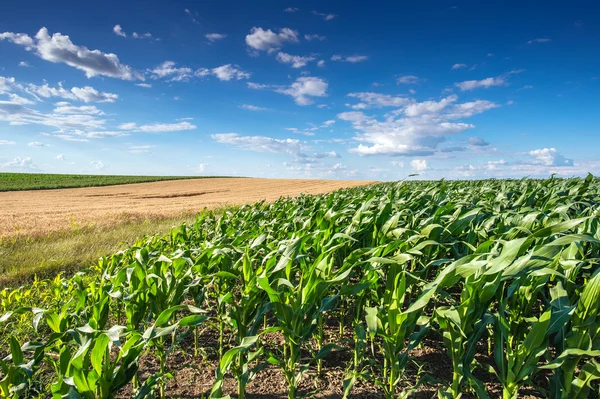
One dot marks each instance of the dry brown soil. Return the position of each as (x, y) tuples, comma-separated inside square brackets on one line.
[(39, 212)]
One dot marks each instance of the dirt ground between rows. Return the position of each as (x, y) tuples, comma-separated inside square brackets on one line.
[(40, 212)]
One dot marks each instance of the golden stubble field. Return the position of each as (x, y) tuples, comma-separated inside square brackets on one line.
[(40, 212)]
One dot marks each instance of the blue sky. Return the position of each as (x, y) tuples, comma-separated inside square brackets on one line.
[(454, 89)]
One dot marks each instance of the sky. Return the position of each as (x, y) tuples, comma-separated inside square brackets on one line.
[(337, 89)]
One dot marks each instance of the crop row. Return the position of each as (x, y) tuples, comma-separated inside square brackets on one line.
[(504, 273)]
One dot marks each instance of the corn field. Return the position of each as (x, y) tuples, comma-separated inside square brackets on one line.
[(502, 275)]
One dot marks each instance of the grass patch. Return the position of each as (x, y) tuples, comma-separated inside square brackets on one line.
[(23, 258), (42, 181)]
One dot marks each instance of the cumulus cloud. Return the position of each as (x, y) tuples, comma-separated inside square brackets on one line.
[(295, 61), (428, 107), (550, 157), (119, 31), (168, 69), (146, 35), (321, 63), (377, 100), (291, 9), (18, 114), (228, 72), (259, 143), (66, 108), (267, 40), (19, 163), (98, 164), (304, 88), (407, 80), (483, 83), (60, 157), (255, 108), (419, 165), (36, 144), (459, 66), (86, 94), (24, 64), (213, 37), (487, 82), (157, 127), (59, 48), (478, 142), (352, 58), (414, 128), (314, 37), (21, 39), (144, 85), (325, 16)]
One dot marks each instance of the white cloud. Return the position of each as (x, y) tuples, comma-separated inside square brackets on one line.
[(58, 48), (419, 165), (144, 85), (407, 80), (326, 17), (21, 39), (250, 107), (98, 164), (157, 127), (146, 35), (314, 37), (541, 40), (459, 66), (118, 31), (17, 99), (24, 64), (228, 72), (259, 143), (258, 86), (427, 107), (224, 72), (304, 88), (376, 100), (86, 94), (36, 144), (19, 164), (67, 108), (295, 60), (485, 83), (321, 63), (352, 59), (60, 157), (17, 114), (415, 129), (291, 9), (550, 157), (168, 68), (7, 142), (141, 149), (488, 82), (399, 164), (478, 142), (213, 37), (267, 40)]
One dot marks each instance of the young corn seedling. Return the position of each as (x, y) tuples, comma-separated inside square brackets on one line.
[(17, 370), (396, 327), (297, 308)]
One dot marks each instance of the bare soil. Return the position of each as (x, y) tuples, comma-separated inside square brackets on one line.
[(40, 212)]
